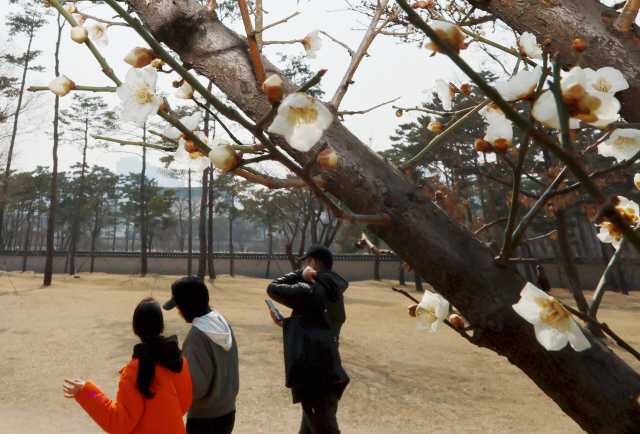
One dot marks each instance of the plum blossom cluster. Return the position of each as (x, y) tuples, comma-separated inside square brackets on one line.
[(553, 325), (629, 211)]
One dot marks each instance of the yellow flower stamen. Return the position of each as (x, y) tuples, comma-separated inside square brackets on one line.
[(624, 142), (302, 115), (426, 316), (141, 92), (553, 314), (602, 85)]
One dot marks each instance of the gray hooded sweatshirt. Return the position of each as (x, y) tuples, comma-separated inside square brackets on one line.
[(211, 351)]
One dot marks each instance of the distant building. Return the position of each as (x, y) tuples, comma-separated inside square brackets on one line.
[(126, 165)]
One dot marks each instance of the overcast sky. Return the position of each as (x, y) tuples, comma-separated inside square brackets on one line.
[(393, 70)]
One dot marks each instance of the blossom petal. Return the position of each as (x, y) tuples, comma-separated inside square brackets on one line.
[(550, 337), (577, 339)]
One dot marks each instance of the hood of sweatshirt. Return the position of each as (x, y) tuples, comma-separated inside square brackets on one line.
[(216, 328), (334, 283)]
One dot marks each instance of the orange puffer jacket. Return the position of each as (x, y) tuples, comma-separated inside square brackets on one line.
[(131, 412)]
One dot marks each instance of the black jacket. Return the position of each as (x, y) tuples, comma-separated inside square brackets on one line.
[(312, 362), (326, 294)]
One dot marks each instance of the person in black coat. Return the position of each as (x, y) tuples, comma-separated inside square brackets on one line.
[(311, 334)]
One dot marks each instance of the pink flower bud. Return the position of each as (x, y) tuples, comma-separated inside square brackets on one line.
[(224, 157), (328, 159), (456, 320), (434, 127), (61, 85), (140, 57), (273, 88), (79, 34)]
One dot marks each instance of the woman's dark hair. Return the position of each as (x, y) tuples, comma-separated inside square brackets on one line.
[(148, 324)]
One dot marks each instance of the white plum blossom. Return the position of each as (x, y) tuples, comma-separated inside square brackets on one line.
[(521, 86), (223, 156), (607, 79), (444, 93), (529, 46), (196, 161), (138, 95), (301, 120), (98, 34), (629, 211), (636, 180), (312, 43), (582, 104), (622, 144), (185, 91), (500, 130), (553, 324), (431, 312), (190, 122)]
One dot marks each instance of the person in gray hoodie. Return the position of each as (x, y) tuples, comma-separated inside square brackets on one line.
[(212, 353)]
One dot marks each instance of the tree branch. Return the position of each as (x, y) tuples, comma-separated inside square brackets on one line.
[(343, 113), (351, 52)]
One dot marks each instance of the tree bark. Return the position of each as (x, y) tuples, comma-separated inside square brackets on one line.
[(595, 387)]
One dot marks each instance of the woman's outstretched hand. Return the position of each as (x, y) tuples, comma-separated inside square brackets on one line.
[(71, 387)]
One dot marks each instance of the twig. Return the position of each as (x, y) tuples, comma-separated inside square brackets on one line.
[(435, 112), (164, 137), (314, 157), (531, 240), (365, 243), (224, 127), (129, 142), (604, 280), (604, 327), (406, 294), (351, 52), (293, 41), (437, 139), (280, 22), (625, 20), (488, 225), (254, 51), (518, 260), (78, 88), (471, 11), (258, 159), (368, 38), (343, 113), (257, 33), (100, 20)]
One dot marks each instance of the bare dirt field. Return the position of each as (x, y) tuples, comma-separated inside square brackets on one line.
[(402, 381)]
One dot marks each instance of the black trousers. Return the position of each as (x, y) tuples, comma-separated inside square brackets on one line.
[(216, 425), (319, 415)]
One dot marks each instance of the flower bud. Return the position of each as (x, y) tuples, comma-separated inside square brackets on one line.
[(176, 84), (636, 180), (419, 5), (457, 321), (273, 88), (79, 34), (71, 8), (451, 34), (466, 88), (431, 4), (482, 145), (157, 63), (328, 159), (438, 195), (47, 5), (163, 106), (224, 157), (61, 85), (579, 45), (190, 147), (435, 126), (501, 145), (399, 113), (140, 57), (80, 18)]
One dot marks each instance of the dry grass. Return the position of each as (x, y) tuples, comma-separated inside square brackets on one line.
[(401, 380)]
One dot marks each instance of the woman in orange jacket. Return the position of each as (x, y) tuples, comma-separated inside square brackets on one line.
[(155, 387)]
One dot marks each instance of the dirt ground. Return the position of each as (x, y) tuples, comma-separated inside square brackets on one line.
[(402, 380)]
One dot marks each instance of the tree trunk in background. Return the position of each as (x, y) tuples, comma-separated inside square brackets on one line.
[(212, 271), (376, 263), (231, 268), (418, 280), (143, 209), (567, 261), (53, 194), (189, 230), (76, 218), (202, 226), (115, 226), (126, 237), (594, 387), (288, 250), (269, 250), (401, 281), (26, 240)]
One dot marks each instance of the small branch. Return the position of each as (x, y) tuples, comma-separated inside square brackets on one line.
[(351, 52), (537, 207), (605, 279), (254, 51), (435, 112), (128, 142), (293, 41), (258, 159), (100, 20), (471, 11), (77, 88), (368, 38), (343, 113), (625, 20), (406, 294), (479, 20), (365, 243), (563, 116), (224, 127), (604, 327), (164, 137), (257, 33), (184, 130), (488, 225), (437, 139), (280, 22), (519, 260), (531, 240)]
